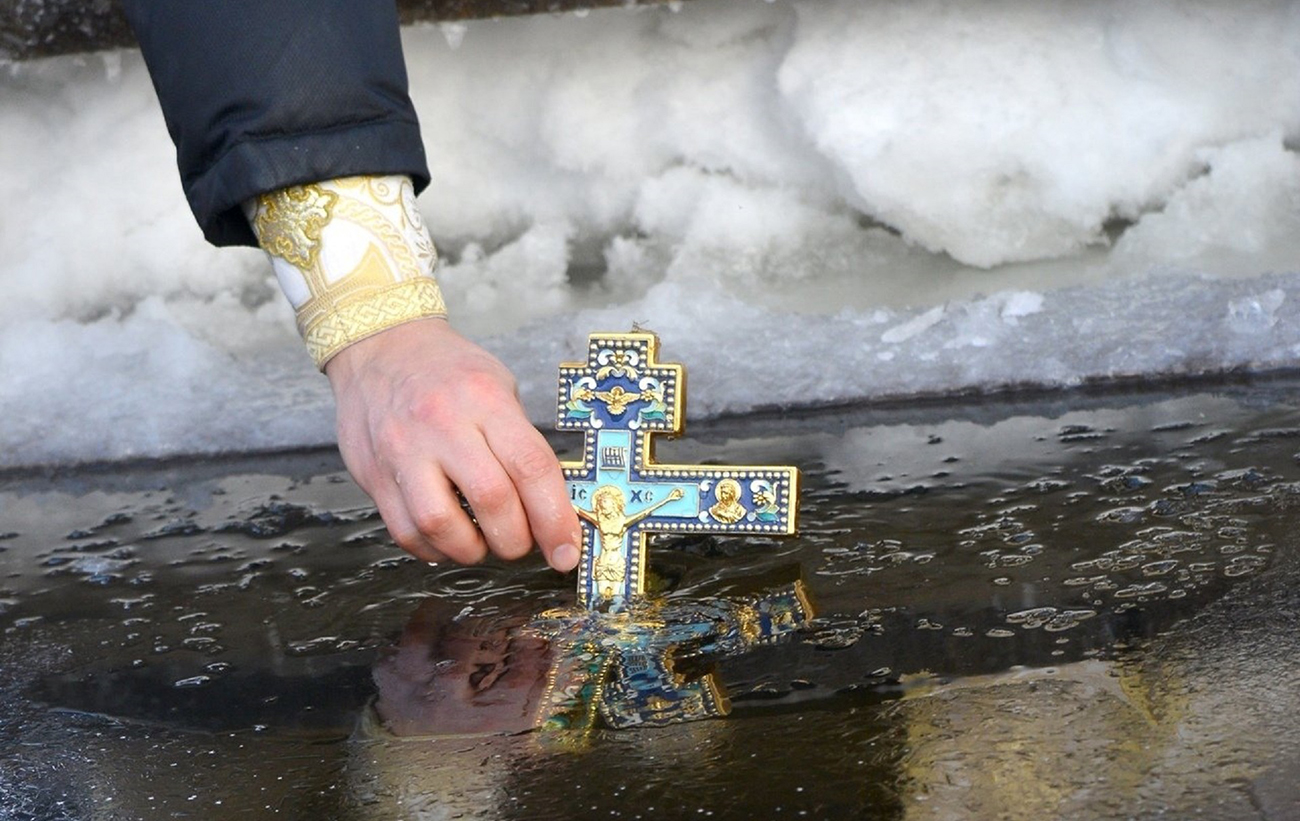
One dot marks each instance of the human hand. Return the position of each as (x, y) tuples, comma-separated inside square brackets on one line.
[(423, 412)]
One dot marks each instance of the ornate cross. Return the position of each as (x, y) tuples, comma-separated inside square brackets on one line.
[(620, 398)]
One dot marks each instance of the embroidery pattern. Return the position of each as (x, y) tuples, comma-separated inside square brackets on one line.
[(290, 220), (370, 312), (353, 255)]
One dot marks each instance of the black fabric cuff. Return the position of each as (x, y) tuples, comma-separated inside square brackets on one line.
[(256, 165)]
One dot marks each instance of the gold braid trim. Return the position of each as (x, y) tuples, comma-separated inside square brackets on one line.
[(366, 314), (354, 256)]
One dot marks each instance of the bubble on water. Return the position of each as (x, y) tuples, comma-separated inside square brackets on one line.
[(999, 633), (321, 645), (1136, 590), (1190, 489), (1034, 617), (97, 569), (1068, 619), (193, 681), (137, 602), (465, 580), (1051, 619), (1083, 581), (1125, 562), (1171, 507), (1182, 424), (837, 637), (1046, 485), (1125, 484), (1122, 515), (176, 528), (1241, 565), (1078, 433), (1159, 568), (272, 519)]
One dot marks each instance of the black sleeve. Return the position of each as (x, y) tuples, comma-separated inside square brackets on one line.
[(263, 94)]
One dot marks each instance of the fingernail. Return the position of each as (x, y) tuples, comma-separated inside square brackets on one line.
[(564, 558)]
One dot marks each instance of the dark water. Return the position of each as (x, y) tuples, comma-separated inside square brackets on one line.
[(1074, 606)]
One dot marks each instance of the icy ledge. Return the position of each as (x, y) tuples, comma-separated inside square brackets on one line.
[(143, 386), (741, 357)]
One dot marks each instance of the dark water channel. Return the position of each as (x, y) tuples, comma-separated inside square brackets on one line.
[(1081, 605)]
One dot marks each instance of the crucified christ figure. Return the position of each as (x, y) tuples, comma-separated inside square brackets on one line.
[(611, 522)]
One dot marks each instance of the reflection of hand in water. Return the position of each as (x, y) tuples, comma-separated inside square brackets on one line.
[(448, 676)]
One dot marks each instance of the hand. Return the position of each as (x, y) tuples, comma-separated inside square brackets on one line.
[(423, 412)]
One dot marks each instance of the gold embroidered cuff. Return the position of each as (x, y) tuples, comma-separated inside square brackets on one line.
[(352, 255)]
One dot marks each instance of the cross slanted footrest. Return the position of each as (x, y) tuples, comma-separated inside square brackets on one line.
[(620, 398)]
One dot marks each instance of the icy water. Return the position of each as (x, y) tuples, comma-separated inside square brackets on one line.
[(1079, 605)]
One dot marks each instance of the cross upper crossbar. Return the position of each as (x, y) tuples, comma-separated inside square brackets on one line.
[(621, 397)]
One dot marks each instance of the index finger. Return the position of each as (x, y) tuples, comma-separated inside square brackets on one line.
[(535, 471)]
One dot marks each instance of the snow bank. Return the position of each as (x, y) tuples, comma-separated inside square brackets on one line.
[(812, 201)]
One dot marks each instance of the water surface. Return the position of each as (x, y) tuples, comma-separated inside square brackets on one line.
[(1075, 605)]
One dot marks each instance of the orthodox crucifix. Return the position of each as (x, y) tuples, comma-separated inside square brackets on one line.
[(621, 398)]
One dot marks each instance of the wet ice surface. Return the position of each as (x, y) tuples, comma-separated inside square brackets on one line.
[(1070, 606)]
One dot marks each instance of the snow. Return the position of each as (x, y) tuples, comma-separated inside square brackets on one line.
[(816, 201)]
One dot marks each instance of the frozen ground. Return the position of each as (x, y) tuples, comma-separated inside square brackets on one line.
[(813, 201)]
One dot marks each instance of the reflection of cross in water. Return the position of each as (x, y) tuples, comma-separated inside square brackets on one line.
[(620, 397), (620, 669)]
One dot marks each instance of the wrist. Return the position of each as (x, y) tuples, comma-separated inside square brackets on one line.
[(400, 340)]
